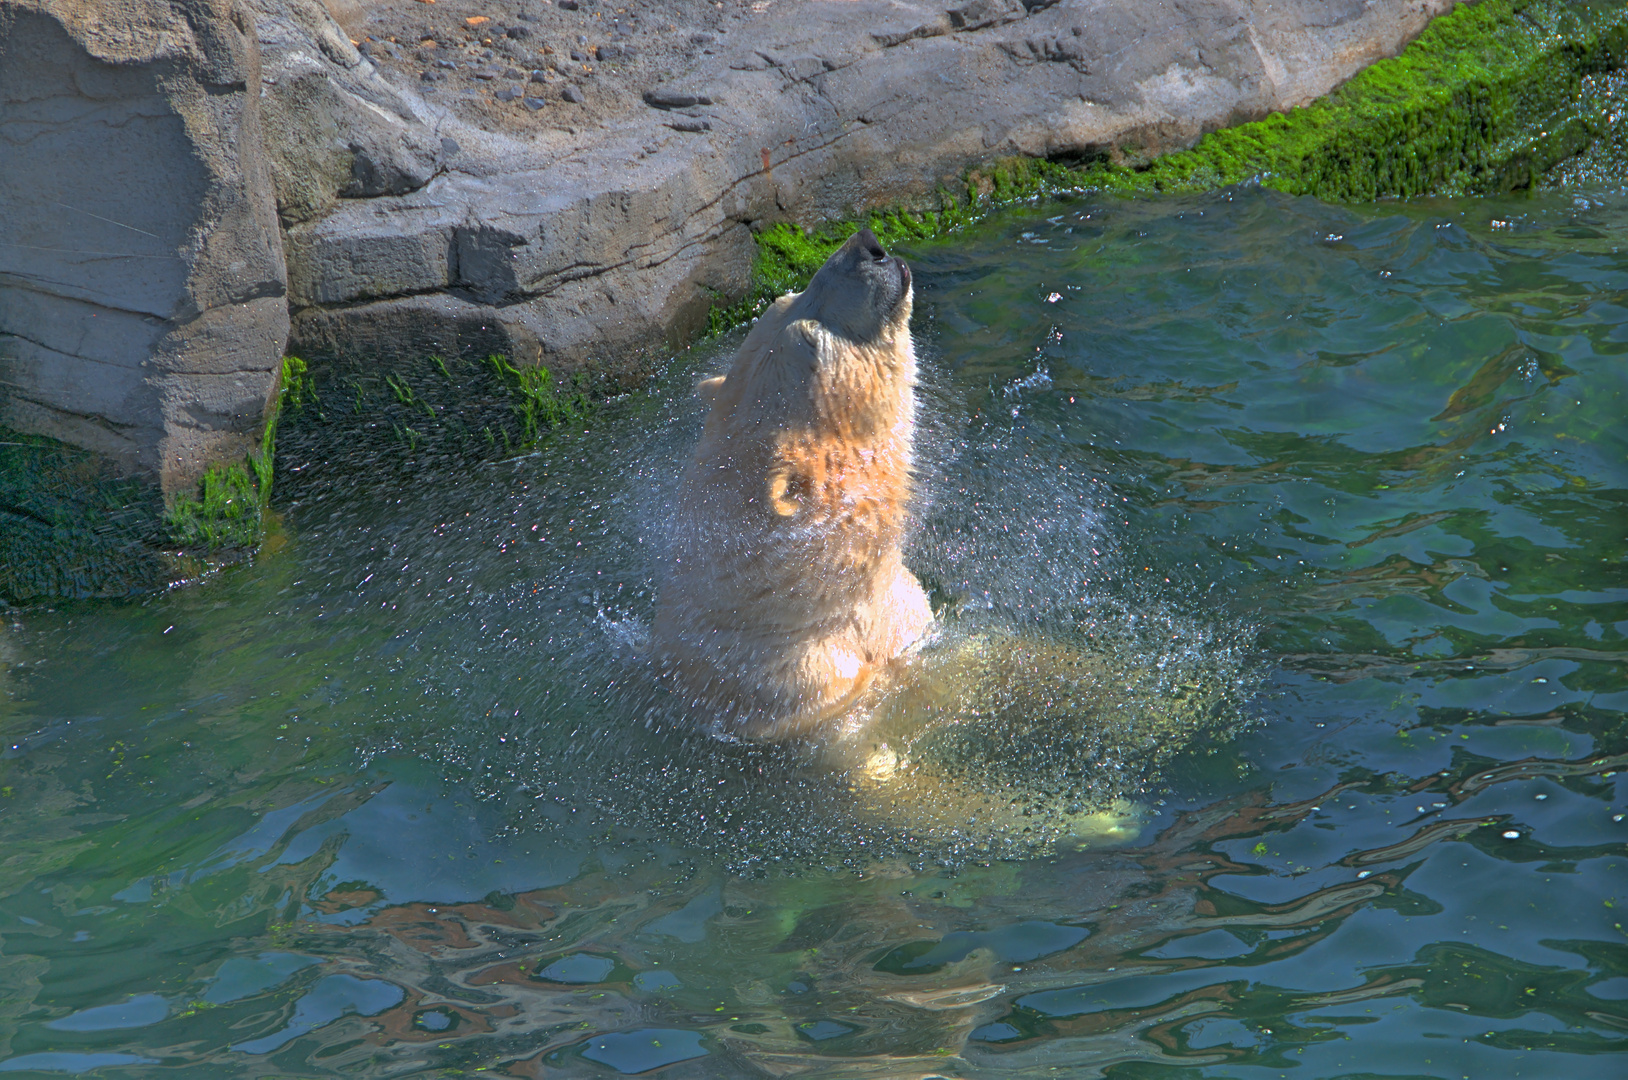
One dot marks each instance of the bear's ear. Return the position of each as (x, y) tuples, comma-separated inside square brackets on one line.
[(708, 389)]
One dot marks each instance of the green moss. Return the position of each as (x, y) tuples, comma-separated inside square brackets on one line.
[(71, 526), (226, 511), (1487, 99), (539, 405), (422, 407), (298, 388)]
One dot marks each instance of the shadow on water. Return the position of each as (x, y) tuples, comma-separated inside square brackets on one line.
[(399, 799)]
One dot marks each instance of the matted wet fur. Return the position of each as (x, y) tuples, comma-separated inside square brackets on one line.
[(786, 595)]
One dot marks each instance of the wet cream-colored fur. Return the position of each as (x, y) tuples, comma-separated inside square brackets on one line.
[(786, 595)]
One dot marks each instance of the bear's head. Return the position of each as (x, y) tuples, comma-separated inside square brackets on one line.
[(862, 294), (839, 351)]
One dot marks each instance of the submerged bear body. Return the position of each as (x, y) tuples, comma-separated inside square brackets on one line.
[(786, 593)]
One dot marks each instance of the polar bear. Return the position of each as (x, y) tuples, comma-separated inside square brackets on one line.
[(786, 595)]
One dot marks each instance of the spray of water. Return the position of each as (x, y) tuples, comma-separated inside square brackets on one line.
[(1044, 703)]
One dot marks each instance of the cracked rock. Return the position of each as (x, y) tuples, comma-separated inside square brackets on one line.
[(977, 14), (889, 36), (1054, 48)]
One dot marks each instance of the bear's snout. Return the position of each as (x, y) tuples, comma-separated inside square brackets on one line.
[(866, 241)]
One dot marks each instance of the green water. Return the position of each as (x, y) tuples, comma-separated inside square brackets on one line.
[(397, 800)]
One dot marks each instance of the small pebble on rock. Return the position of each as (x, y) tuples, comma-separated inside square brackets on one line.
[(691, 124), (572, 94), (518, 33), (539, 76), (508, 93), (514, 73), (569, 5), (663, 98), (534, 103), (614, 52), (579, 56)]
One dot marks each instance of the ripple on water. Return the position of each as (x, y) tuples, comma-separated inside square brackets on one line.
[(399, 799)]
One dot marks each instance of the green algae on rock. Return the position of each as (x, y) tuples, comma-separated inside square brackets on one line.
[(1484, 101), (419, 409), (226, 512), (539, 404), (1489, 98), (71, 526), (421, 406), (228, 509)]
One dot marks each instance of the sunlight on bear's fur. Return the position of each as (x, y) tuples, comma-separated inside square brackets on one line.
[(786, 595)]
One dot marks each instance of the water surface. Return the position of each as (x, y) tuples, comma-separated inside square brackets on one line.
[(396, 800)]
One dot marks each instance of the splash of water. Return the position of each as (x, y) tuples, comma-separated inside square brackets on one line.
[(1053, 690)]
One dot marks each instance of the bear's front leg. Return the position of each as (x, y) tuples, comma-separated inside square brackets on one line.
[(897, 616)]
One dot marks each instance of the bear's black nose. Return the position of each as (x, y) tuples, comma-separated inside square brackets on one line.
[(869, 244)]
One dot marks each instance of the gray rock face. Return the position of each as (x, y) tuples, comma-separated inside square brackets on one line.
[(143, 307), (334, 128), (582, 233)]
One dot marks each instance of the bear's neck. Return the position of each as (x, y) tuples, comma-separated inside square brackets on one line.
[(871, 396)]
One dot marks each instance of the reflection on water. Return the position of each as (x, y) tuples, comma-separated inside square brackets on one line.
[(398, 800)]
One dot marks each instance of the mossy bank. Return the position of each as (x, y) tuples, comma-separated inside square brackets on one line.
[(70, 526), (1500, 96)]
